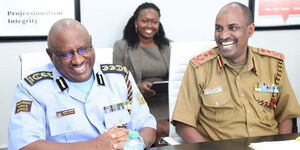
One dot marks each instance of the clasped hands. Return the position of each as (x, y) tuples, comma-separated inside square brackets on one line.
[(112, 139)]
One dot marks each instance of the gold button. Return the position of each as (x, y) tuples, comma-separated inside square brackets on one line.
[(250, 129)]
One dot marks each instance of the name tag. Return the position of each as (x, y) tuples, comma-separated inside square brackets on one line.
[(116, 118), (65, 112), (212, 90)]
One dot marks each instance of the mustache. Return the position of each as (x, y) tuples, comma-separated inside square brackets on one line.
[(227, 40)]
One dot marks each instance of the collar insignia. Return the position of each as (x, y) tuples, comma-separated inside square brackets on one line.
[(61, 83)]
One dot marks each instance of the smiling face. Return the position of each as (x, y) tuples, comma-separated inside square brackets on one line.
[(232, 31), (147, 23), (70, 38)]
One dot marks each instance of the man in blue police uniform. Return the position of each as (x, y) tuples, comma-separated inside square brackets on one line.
[(75, 103)]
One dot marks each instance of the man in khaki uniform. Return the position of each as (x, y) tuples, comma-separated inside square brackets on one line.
[(234, 90)]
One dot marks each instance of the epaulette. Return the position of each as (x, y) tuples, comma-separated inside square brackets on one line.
[(38, 76), (270, 53), (111, 68), (204, 57)]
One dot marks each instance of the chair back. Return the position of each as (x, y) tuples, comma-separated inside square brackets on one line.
[(181, 53)]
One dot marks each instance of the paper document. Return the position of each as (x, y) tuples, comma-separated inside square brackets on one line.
[(276, 145)]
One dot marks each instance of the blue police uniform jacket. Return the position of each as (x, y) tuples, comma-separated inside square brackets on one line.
[(43, 109)]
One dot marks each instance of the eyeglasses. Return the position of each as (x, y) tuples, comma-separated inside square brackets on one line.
[(69, 54)]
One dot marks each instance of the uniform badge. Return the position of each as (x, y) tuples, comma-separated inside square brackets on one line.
[(214, 90), (141, 98), (23, 106), (65, 112)]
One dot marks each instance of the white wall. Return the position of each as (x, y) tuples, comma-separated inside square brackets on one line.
[(9, 76), (189, 20), (182, 20)]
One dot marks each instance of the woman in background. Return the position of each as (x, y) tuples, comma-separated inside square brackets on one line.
[(145, 51)]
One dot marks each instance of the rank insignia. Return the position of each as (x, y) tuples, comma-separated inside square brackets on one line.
[(271, 53), (100, 79), (141, 98), (38, 76), (23, 106), (111, 68), (61, 83), (65, 112), (203, 57)]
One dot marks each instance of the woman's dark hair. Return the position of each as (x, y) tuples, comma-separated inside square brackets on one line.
[(130, 35)]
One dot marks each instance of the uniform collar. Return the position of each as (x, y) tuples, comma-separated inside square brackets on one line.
[(57, 74), (99, 77), (250, 65), (70, 88)]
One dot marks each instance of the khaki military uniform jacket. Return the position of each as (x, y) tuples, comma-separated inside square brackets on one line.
[(223, 104)]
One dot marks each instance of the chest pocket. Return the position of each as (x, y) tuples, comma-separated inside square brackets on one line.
[(262, 110), (66, 124), (216, 100), (217, 107), (116, 118)]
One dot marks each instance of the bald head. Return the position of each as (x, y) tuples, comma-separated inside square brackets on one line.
[(64, 30), (245, 10), (70, 50)]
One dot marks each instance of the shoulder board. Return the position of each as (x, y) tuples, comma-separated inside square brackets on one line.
[(205, 56), (112, 68), (270, 53), (38, 76)]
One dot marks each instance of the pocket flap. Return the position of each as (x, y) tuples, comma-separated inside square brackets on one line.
[(66, 124), (215, 100), (262, 96)]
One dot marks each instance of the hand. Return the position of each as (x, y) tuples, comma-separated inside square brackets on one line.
[(145, 88), (112, 139)]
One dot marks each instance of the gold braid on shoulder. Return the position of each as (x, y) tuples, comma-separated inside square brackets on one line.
[(129, 92)]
